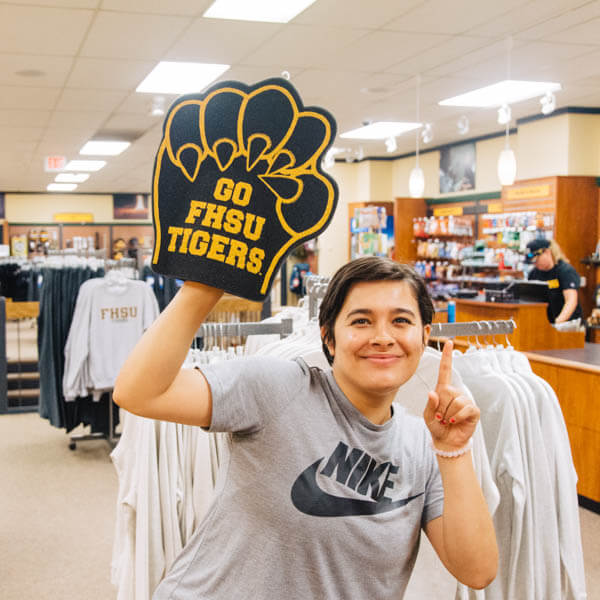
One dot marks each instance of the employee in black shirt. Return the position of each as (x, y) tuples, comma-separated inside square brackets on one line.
[(551, 266)]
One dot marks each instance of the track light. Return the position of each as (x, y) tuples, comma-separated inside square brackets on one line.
[(427, 133), (504, 114), (390, 144), (463, 125), (548, 102)]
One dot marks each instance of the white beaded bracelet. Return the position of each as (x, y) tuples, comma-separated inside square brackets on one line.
[(453, 453)]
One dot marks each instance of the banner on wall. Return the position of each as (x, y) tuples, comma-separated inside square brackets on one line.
[(457, 168), (131, 206)]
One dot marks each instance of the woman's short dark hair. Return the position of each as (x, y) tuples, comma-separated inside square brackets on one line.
[(368, 268)]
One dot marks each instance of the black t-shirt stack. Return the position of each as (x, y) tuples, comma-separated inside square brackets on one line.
[(562, 276)]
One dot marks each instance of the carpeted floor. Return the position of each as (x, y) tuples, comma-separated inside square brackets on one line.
[(57, 515)]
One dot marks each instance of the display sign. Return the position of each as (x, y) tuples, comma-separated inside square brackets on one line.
[(238, 183), (495, 207), (528, 192), (448, 211), (54, 163), (73, 218)]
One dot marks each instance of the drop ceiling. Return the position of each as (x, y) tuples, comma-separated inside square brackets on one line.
[(69, 69)]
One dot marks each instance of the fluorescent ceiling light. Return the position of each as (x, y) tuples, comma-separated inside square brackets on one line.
[(508, 91), (71, 177), (180, 77), (61, 187), (85, 165), (104, 148), (270, 11), (380, 130)]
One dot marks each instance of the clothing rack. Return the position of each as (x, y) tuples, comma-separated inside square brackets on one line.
[(284, 328), (472, 328), (316, 286), (111, 437)]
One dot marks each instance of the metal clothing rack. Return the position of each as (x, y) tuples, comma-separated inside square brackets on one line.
[(284, 328), (472, 328), (316, 286), (112, 438)]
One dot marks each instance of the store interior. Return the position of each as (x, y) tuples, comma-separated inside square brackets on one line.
[(455, 187)]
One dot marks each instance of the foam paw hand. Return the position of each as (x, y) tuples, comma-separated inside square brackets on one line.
[(238, 184)]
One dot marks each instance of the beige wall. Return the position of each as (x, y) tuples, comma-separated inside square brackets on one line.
[(584, 145), (543, 148), (41, 208)]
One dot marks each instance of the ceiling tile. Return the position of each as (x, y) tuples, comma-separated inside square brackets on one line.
[(109, 74), (584, 33), (163, 7), (379, 50), (129, 122), (128, 35), (524, 16), (289, 46), (54, 70), (24, 118), (354, 13), (441, 16), (250, 74), (60, 3), (11, 135), (28, 98), (83, 121), (37, 30), (204, 40), (140, 104), (93, 100), (570, 17), (438, 55)]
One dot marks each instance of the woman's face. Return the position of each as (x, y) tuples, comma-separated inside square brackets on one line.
[(544, 261), (379, 340)]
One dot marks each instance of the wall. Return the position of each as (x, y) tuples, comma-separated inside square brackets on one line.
[(41, 208), (584, 145), (543, 148)]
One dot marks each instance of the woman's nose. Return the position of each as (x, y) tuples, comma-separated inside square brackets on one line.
[(382, 337)]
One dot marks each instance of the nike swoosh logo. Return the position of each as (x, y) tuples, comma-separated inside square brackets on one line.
[(310, 499)]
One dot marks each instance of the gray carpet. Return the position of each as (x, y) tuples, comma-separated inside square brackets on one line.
[(57, 515)]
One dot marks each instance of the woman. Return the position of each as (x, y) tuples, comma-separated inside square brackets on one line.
[(328, 485), (552, 266)]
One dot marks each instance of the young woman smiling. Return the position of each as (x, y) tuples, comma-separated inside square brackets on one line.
[(328, 485)]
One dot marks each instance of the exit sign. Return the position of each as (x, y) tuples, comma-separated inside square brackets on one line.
[(54, 163)]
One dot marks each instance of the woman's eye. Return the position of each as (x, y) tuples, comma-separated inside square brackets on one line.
[(402, 320), (361, 321)]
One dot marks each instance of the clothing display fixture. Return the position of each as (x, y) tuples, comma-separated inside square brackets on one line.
[(110, 316), (167, 473)]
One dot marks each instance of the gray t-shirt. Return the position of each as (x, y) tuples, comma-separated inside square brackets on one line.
[(316, 502)]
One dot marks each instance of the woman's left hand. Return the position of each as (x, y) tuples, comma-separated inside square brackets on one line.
[(450, 416)]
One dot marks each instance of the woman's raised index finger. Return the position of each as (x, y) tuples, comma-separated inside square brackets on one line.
[(445, 373)]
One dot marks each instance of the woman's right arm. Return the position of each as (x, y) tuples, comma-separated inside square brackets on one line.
[(152, 383)]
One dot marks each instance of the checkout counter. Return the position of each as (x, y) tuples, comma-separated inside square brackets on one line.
[(569, 364)]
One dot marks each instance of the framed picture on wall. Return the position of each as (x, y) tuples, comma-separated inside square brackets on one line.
[(457, 168), (131, 206)]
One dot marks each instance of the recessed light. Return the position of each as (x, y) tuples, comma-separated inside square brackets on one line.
[(508, 91), (71, 177), (85, 165), (269, 11), (180, 77), (380, 130), (61, 187), (104, 148)]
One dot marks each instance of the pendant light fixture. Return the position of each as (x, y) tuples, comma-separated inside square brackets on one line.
[(416, 181), (507, 163)]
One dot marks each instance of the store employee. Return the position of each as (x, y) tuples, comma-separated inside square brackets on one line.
[(551, 266)]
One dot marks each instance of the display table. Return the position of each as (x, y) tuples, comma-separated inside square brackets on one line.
[(533, 331), (575, 376)]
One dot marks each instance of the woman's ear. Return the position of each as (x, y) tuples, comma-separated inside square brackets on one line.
[(426, 334), (327, 341)]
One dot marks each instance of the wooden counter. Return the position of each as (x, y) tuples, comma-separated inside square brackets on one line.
[(533, 331), (575, 376)]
